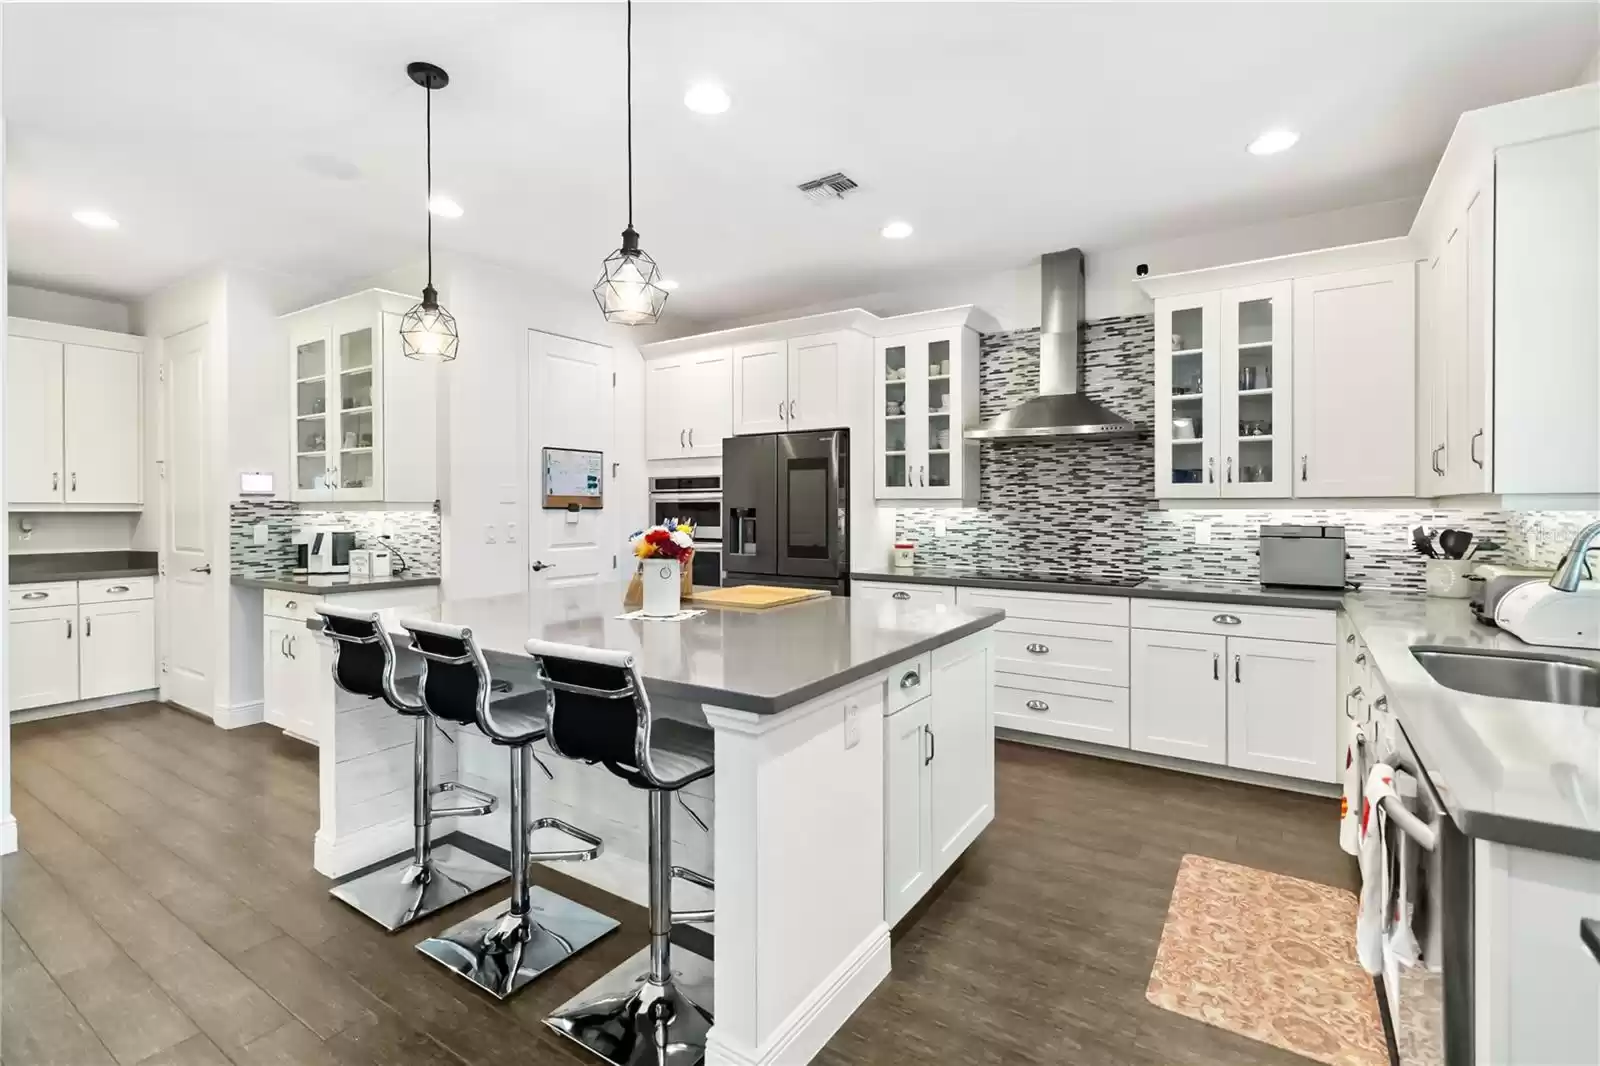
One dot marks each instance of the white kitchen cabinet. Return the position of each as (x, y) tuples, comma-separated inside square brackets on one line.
[(43, 657), (908, 847), (1280, 714), (816, 377), (1256, 383), (74, 428), (688, 404), (761, 387), (925, 394), (1188, 406), (911, 595), (783, 385), (1179, 697), (350, 382), (1355, 383), (666, 400), (297, 678), (960, 749), (117, 648)]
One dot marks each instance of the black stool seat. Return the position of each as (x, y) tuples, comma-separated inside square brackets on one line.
[(680, 753), (519, 719)]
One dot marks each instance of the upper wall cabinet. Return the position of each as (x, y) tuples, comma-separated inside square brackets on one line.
[(788, 385), (926, 393), (688, 404), (363, 419), (74, 425)]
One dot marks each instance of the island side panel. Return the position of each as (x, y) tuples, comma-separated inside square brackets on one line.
[(801, 939)]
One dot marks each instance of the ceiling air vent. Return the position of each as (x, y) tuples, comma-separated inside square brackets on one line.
[(824, 189)]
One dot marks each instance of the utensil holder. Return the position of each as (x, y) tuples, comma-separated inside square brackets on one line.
[(1447, 578)]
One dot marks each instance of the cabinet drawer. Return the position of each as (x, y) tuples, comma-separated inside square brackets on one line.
[(1094, 713), (1066, 651), (1050, 606), (908, 682), (915, 595), (43, 594), (298, 605), (1231, 620), (111, 590)]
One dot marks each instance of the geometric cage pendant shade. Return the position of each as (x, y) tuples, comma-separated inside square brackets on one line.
[(428, 331), (629, 291)]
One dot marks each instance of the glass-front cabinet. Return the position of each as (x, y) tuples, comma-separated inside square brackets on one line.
[(926, 396), (1222, 394)]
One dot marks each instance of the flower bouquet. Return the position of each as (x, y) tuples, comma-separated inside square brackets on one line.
[(665, 576)]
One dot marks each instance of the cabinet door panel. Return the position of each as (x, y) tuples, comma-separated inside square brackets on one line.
[(667, 408), (908, 859), (761, 388), (355, 443), (1179, 700), (102, 425), (118, 648), (1355, 383), (814, 383), (710, 382), (961, 749), (1476, 437), (35, 471), (1255, 383), (311, 667), (1281, 708), (43, 657), (1431, 433), (894, 468), (1188, 405), (278, 678)]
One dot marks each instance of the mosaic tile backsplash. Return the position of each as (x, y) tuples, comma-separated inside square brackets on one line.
[(416, 537), (1063, 507)]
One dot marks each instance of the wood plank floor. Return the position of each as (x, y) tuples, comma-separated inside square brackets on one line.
[(163, 910)]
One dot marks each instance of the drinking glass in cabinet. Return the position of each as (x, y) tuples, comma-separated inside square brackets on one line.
[(894, 471), (939, 470), (939, 359)]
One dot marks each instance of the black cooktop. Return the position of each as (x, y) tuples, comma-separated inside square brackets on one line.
[(1107, 580)]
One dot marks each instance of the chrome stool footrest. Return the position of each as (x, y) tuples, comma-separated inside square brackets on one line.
[(593, 845), (629, 1020), (501, 951), (683, 873), (403, 891), (486, 803)]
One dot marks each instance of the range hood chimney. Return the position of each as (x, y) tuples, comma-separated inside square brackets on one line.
[(1059, 410)]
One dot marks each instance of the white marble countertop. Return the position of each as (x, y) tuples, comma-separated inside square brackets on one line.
[(1510, 770)]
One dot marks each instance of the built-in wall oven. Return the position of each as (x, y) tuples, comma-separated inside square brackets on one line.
[(695, 499)]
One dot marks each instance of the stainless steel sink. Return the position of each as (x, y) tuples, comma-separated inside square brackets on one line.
[(1513, 675)]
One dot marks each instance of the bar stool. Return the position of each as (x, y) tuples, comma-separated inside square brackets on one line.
[(656, 1008), (505, 947), (431, 878)]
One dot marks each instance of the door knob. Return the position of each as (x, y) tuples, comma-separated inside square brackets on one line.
[(205, 569), (539, 564)]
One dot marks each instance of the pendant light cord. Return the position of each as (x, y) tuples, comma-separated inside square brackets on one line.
[(428, 137), (630, 114)]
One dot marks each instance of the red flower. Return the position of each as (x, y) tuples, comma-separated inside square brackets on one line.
[(664, 547)]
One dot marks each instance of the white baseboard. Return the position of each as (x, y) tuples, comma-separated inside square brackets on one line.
[(8, 835), (335, 858), (1164, 762), (103, 703), (240, 714), (812, 1024)]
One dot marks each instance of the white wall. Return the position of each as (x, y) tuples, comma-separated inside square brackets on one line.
[(1011, 294), (25, 301), (1592, 71)]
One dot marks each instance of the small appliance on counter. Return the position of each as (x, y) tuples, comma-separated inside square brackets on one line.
[(904, 555), (1492, 581), (1540, 614), (323, 549), (1303, 556)]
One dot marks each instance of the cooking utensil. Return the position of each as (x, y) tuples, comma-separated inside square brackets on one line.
[(1422, 540), (1455, 543)]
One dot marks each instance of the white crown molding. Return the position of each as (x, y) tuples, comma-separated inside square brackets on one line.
[(1283, 268), (55, 331), (859, 319)]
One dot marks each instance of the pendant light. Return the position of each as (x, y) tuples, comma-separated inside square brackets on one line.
[(428, 331), (629, 290)]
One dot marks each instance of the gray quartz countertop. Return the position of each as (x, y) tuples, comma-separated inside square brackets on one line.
[(1515, 771), (81, 566), (331, 584), (762, 661), (1239, 592)]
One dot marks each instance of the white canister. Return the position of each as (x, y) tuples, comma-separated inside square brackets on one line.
[(904, 554), (662, 592), (1447, 578)]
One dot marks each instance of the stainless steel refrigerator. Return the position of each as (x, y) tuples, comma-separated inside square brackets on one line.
[(786, 510)]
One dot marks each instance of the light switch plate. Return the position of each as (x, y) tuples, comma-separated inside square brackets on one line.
[(258, 534), (511, 532), (939, 526), (1202, 532), (488, 534)]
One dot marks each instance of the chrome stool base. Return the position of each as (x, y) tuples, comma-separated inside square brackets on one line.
[(630, 1021), (403, 892), (501, 952)]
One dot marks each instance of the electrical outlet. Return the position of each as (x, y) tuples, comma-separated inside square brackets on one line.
[(511, 532), (852, 726), (1202, 532), (258, 534), (940, 527), (488, 534)]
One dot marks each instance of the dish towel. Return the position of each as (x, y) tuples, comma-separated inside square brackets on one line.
[(1355, 774), (682, 616), (1372, 918)]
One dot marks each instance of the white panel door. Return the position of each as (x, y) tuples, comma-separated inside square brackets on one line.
[(278, 678), (43, 657), (960, 750), (35, 471), (1179, 698), (186, 545), (1281, 708), (102, 425), (1355, 383), (668, 407), (710, 402), (118, 649), (908, 844), (814, 382), (761, 388), (570, 405)]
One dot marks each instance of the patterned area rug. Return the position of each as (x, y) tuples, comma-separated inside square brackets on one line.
[(1269, 957)]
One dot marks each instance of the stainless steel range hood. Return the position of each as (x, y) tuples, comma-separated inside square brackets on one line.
[(1059, 410)]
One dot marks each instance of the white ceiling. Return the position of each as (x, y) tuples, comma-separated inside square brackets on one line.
[(998, 130)]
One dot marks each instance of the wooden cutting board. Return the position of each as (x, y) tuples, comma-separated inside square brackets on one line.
[(755, 596)]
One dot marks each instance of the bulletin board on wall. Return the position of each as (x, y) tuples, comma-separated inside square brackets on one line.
[(573, 477)]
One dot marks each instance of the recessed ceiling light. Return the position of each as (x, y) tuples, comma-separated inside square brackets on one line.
[(1273, 141), (668, 284), (706, 98), (444, 207), (897, 231), (94, 219)]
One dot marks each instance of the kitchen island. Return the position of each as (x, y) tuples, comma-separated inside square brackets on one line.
[(854, 764)]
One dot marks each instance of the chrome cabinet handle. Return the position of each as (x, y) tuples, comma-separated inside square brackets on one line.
[(910, 679), (1236, 668), (283, 645), (691, 438), (291, 605), (933, 745), (1472, 449), (681, 432), (1349, 638), (203, 569), (1303, 468), (88, 626), (781, 416), (292, 655), (1361, 658), (36, 595), (1230, 469), (1354, 693), (1227, 619), (1037, 705), (1433, 460), (791, 410), (1039, 649), (1381, 703), (74, 481), (117, 588), (922, 476), (55, 481), (1216, 666), (1211, 468), (902, 595), (69, 629)]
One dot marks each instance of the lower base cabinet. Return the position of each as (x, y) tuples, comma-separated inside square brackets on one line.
[(96, 640), (298, 665), (43, 654), (1179, 704), (118, 650), (908, 850)]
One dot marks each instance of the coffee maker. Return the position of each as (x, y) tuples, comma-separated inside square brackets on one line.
[(323, 549)]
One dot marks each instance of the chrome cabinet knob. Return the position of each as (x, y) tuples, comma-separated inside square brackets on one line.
[(1039, 649), (902, 595), (1037, 705), (910, 679)]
